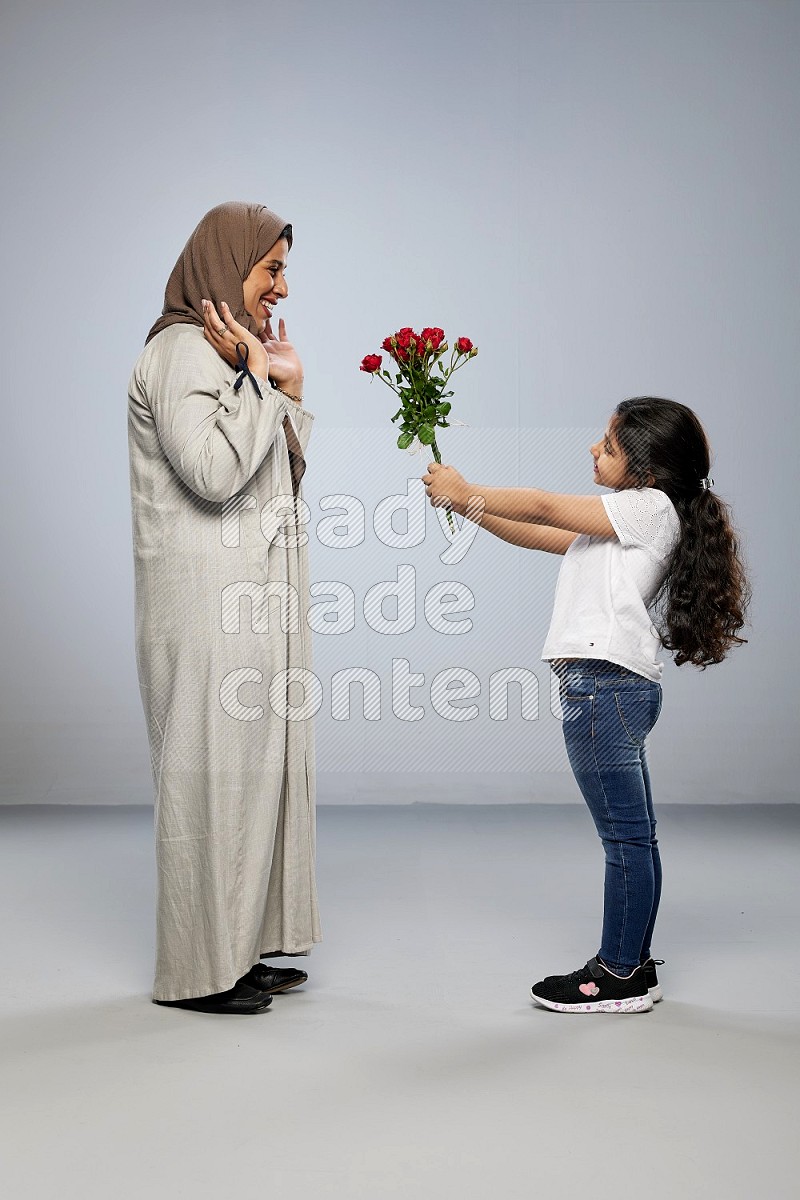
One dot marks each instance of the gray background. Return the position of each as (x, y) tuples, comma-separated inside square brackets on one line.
[(601, 195)]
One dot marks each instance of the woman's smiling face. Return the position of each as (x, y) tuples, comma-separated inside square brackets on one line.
[(266, 284)]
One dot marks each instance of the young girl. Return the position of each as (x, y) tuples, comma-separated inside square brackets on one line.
[(662, 539)]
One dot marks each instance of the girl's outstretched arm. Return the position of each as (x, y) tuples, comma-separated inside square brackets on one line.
[(525, 533), (562, 510), (579, 514)]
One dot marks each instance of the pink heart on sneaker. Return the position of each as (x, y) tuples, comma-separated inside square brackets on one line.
[(588, 989)]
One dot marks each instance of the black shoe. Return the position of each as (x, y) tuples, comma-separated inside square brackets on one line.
[(594, 989), (241, 998), (651, 975), (273, 979)]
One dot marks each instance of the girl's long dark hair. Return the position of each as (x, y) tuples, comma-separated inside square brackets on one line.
[(703, 598)]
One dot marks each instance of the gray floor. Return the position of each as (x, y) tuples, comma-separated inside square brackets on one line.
[(413, 1064)]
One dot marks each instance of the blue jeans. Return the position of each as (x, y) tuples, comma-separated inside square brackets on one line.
[(607, 713)]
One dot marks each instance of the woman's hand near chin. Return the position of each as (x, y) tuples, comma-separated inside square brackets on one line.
[(285, 367), (223, 333)]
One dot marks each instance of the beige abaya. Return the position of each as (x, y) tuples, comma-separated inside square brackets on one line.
[(233, 775)]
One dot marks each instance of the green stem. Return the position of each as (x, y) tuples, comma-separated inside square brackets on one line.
[(452, 369), (388, 383), (438, 458)]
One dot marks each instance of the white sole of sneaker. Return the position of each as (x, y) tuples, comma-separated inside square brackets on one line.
[(656, 993), (633, 1004)]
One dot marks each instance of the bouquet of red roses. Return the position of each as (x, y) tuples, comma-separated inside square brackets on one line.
[(420, 381)]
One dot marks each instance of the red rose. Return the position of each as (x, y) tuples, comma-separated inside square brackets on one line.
[(372, 363), (434, 336), (464, 346), (406, 338)]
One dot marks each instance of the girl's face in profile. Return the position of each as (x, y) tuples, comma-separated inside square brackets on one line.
[(610, 463), (266, 285)]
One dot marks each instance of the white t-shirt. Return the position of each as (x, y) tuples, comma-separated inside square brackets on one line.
[(606, 585)]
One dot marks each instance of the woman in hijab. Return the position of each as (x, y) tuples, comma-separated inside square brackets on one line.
[(217, 434)]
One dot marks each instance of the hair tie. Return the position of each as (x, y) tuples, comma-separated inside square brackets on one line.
[(706, 482)]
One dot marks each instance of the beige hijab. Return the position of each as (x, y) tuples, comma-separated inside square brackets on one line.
[(218, 257)]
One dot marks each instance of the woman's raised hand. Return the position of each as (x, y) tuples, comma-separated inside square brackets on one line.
[(285, 366), (222, 332)]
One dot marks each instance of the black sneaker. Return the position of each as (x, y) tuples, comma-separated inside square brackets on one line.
[(651, 975), (594, 989)]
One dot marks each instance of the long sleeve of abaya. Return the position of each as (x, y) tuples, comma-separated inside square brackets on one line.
[(215, 440)]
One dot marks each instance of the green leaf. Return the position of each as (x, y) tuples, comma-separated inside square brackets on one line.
[(404, 441), (444, 409), (426, 435)]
